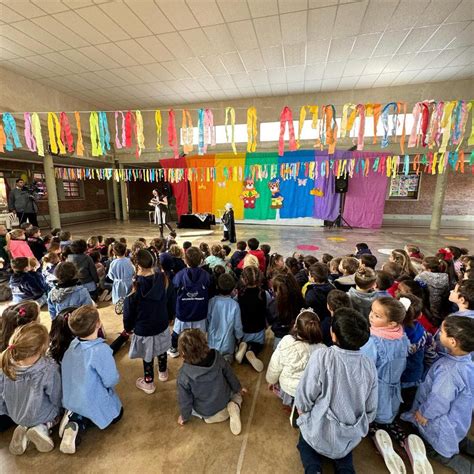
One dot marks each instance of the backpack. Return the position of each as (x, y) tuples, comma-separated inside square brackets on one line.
[(193, 296)]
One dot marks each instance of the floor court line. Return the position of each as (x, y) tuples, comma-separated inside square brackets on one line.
[(249, 423)]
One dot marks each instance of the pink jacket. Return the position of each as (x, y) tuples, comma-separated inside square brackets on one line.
[(19, 248)]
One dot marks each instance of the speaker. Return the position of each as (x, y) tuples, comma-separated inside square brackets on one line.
[(341, 184)]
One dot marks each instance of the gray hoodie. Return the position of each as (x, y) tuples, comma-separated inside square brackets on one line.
[(22, 201), (438, 288), (362, 301), (35, 396), (206, 388)]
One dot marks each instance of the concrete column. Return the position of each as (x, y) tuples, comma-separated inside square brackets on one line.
[(440, 191), (53, 204), (124, 199)]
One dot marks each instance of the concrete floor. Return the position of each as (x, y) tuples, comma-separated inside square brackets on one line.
[(148, 439)]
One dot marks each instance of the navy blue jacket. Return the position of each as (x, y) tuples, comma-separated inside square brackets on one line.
[(145, 311), (27, 286)]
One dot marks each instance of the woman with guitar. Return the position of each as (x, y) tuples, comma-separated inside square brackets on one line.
[(160, 202)]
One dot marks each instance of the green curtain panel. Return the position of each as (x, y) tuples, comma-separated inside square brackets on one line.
[(262, 208)]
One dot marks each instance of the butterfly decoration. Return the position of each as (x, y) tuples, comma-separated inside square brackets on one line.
[(302, 182), (317, 192), (221, 184)]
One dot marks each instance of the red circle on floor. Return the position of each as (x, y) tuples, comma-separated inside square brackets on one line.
[(307, 247)]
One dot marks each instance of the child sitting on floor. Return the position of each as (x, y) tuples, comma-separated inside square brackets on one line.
[(207, 386), (65, 239), (17, 245), (36, 243), (27, 284), (224, 325), (50, 262), (333, 266), (388, 348), (68, 291), (318, 289), (15, 316), (334, 411), (463, 297), (362, 249), (348, 267), (253, 244), (336, 299), (253, 302), (442, 408), (86, 271), (239, 254), (291, 356), (30, 384), (146, 313), (363, 295), (89, 375), (383, 281)]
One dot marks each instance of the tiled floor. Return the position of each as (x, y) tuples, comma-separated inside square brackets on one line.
[(148, 439)]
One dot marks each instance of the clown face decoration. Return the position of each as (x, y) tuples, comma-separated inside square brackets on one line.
[(249, 194)]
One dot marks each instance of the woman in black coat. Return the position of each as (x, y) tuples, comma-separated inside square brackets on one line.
[(229, 224)]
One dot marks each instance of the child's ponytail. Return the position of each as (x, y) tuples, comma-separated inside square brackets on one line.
[(27, 341)]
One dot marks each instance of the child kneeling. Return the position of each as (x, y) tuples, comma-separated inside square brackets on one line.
[(89, 376), (337, 395), (207, 386), (30, 385)]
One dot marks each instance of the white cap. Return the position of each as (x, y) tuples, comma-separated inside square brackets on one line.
[(228, 205)]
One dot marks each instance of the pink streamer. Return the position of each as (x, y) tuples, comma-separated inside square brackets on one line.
[(120, 144), (286, 116), (416, 118), (360, 139), (29, 138)]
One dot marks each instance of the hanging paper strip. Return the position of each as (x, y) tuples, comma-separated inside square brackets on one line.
[(128, 129), (434, 127), (466, 110), (139, 135), (360, 136), (36, 131), (330, 127), (201, 144), (158, 123), (79, 143), (11, 135), (172, 138), (384, 116), (120, 139), (230, 111), (29, 138), (209, 129), (187, 132), (446, 124), (251, 130), (104, 133), (402, 108), (286, 116), (3, 139), (54, 132), (425, 119), (347, 120), (95, 134), (373, 110), (413, 138), (66, 135)]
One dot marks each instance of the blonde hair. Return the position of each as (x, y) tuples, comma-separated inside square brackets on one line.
[(17, 234), (250, 261), (27, 341), (401, 257), (176, 251)]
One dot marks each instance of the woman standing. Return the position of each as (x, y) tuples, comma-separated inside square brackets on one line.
[(228, 222), (160, 202)]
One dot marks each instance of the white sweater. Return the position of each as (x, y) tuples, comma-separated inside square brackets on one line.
[(288, 363)]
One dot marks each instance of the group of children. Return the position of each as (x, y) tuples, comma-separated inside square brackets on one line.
[(356, 350)]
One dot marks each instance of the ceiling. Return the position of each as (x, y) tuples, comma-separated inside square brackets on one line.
[(145, 53)]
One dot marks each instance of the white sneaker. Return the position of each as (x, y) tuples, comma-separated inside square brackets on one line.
[(256, 363), (19, 441), (147, 387), (234, 415), (173, 353), (64, 422), (68, 444), (239, 355), (40, 437), (416, 451), (393, 461)]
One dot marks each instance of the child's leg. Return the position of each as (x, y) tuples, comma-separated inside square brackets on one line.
[(148, 371), (310, 459), (344, 465), (163, 367)]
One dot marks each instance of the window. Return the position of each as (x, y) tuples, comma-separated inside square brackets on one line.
[(71, 189)]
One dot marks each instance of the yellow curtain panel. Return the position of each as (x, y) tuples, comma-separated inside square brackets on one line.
[(229, 182)]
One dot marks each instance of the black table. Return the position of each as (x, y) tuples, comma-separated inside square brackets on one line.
[(196, 221)]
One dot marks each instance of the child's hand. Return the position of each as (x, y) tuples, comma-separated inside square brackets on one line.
[(181, 421), (420, 418), (243, 391)]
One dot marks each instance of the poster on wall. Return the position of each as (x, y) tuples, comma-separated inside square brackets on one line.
[(404, 187)]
